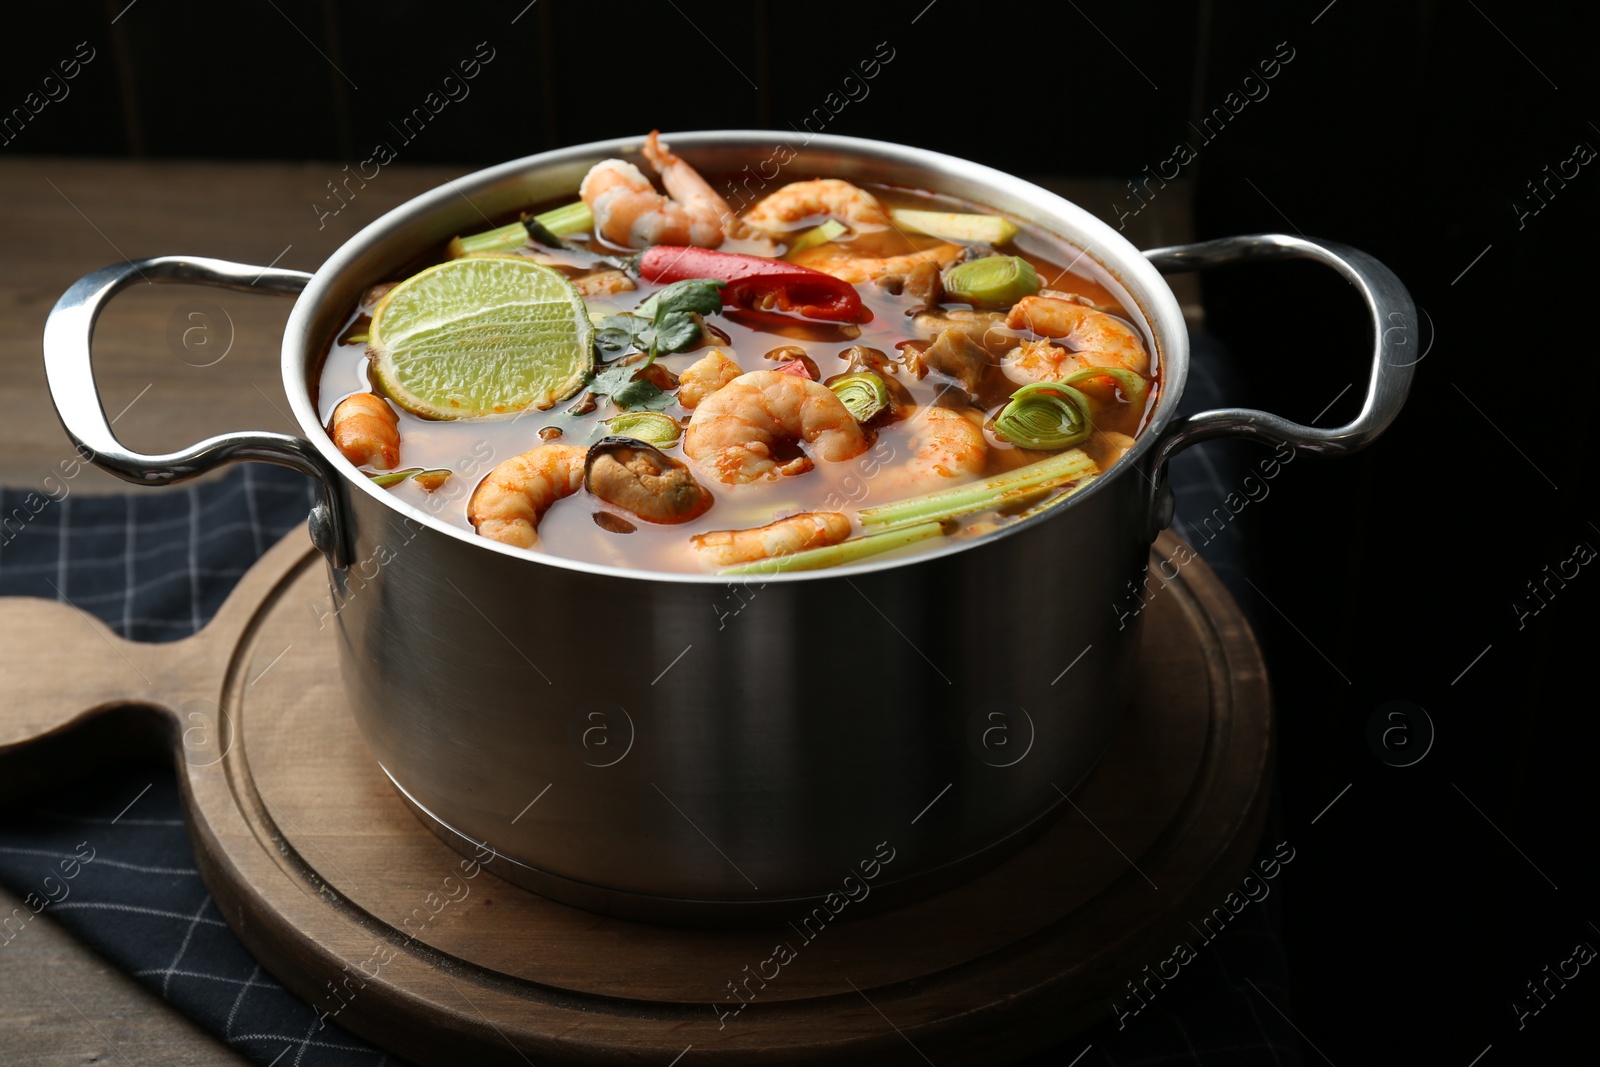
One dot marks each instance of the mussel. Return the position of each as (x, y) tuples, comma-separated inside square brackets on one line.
[(639, 478)]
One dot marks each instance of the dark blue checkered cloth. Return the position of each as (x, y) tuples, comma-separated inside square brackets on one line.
[(156, 567)]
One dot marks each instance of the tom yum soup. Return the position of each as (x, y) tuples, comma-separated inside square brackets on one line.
[(646, 379)]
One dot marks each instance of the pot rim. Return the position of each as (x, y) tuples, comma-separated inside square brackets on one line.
[(1152, 298)]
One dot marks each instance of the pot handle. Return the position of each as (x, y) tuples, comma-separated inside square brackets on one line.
[(1394, 318), (68, 333)]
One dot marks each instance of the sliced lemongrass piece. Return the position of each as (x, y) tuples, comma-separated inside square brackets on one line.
[(844, 552), (564, 221), (998, 491), (817, 235), (358, 332), (1060, 498), (573, 218), (428, 479), (390, 479), (954, 226), (505, 239), (1003, 504)]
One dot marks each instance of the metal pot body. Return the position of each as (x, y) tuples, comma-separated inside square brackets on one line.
[(715, 750), (623, 737)]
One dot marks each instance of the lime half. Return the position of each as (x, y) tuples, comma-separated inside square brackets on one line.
[(481, 336)]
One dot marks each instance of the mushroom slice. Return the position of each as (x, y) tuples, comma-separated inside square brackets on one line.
[(957, 355)]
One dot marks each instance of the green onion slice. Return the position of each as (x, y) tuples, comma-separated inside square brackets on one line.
[(991, 282), (1045, 415), (864, 395), (651, 427), (1133, 386)]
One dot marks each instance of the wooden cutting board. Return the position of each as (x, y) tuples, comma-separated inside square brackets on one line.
[(321, 869)]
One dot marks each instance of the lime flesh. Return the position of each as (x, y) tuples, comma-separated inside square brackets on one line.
[(481, 336)]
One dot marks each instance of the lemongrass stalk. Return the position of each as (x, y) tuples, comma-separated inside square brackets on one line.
[(504, 239), (952, 226), (389, 479), (980, 496), (559, 222), (1004, 502), (817, 235), (1060, 498), (844, 552), (572, 218)]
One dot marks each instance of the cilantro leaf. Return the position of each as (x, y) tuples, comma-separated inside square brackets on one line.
[(700, 295), (641, 395), (628, 392), (618, 332), (612, 379), (675, 312), (676, 330)]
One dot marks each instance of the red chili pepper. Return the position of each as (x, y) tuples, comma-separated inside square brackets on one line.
[(756, 282), (797, 368)]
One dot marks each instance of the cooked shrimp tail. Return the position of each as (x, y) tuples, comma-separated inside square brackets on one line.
[(510, 501), (845, 265), (947, 447), (705, 376), (801, 203), (367, 431), (629, 212), (684, 184), (795, 533), (1094, 339), (733, 431)]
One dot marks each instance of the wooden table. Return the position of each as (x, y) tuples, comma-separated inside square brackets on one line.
[(65, 218)]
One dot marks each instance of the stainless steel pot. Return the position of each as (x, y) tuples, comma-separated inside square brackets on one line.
[(709, 750)]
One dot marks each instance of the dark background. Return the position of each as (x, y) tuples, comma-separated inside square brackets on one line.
[(1409, 129)]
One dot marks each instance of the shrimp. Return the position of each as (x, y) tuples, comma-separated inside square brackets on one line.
[(629, 212), (508, 504), (795, 533), (946, 443), (733, 430), (367, 431), (705, 376), (1096, 339), (799, 202), (842, 264)]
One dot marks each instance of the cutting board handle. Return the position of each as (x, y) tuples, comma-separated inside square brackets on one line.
[(63, 666), (64, 669)]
